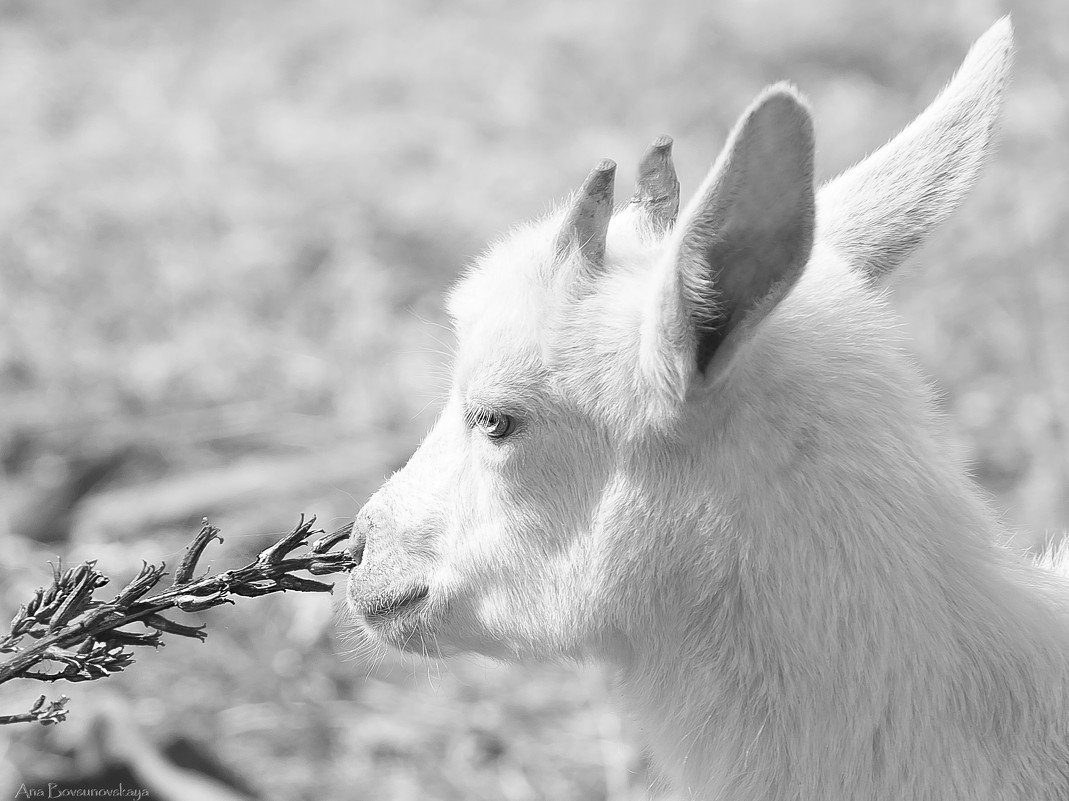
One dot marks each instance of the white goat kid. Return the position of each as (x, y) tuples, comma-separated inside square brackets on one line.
[(695, 452)]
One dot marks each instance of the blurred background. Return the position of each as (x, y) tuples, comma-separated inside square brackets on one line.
[(225, 229)]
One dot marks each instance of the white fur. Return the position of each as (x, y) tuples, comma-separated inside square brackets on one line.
[(802, 594)]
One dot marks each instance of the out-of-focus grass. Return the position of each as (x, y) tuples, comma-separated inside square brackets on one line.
[(224, 230)]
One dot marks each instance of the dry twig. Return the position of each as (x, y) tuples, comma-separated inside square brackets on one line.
[(80, 638)]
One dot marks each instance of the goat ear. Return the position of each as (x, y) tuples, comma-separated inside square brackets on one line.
[(740, 244), (877, 212)]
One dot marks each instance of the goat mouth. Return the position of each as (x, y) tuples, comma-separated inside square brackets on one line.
[(392, 605)]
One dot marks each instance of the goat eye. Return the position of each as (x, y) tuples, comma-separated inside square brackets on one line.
[(496, 425), (500, 425)]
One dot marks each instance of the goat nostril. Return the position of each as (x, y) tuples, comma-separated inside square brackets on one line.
[(359, 541)]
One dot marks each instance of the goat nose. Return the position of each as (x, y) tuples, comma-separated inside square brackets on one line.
[(358, 539), (356, 548)]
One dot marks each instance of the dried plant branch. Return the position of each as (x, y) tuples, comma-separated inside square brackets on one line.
[(80, 638), (40, 712)]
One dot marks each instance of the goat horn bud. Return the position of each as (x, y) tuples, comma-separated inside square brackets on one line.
[(587, 221), (658, 188)]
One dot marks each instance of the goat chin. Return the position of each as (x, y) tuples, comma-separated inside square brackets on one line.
[(688, 444)]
